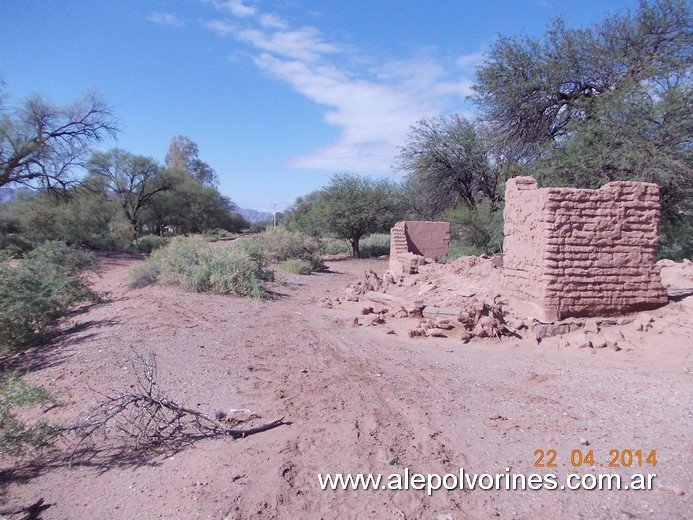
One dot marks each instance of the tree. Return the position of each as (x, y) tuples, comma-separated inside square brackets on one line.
[(183, 156), (531, 89), (582, 107), (133, 179), (302, 217), (352, 206), (447, 162), (538, 92), (41, 144)]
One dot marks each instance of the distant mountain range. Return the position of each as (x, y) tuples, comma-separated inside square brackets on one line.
[(251, 215)]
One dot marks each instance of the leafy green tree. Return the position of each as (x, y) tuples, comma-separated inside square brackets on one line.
[(302, 217), (352, 206), (534, 90), (447, 162), (133, 179), (192, 208), (582, 107), (85, 216), (183, 156), (41, 144)]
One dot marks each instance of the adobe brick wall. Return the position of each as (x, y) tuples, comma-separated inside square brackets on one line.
[(411, 241), (577, 252)]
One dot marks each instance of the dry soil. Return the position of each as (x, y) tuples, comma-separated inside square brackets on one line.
[(359, 400)]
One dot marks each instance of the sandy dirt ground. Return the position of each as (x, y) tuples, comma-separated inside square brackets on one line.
[(360, 400)]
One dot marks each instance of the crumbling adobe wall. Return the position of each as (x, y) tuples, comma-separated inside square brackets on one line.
[(411, 242), (578, 252)]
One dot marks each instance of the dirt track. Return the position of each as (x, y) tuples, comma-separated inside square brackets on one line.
[(362, 401)]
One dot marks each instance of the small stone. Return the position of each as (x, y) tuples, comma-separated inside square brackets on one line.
[(583, 342), (599, 342), (366, 310), (591, 326), (390, 331), (416, 333), (355, 322), (672, 490), (584, 441)]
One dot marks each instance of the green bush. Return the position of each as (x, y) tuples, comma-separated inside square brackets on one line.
[(282, 245), (334, 246), (40, 290), (194, 265), (259, 227), (144, 274), (377, 244), (458, 249), (675, 241), (14, 245), (215, 234), (15, 435), (149, 243), (296, 266), (478, 229)]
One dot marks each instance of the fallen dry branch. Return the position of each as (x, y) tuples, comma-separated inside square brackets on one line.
[(146, 417)]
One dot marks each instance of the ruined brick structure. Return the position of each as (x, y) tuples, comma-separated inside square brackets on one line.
[(411, 242), (578, 252)]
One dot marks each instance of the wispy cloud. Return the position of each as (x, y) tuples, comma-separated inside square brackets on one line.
[(221, 27), (165, 19), (304, 44), (235, 7), (373, 104), (470, 62)]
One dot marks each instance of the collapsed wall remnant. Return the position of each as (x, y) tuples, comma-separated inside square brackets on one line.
[(580, 252), (412, 242)]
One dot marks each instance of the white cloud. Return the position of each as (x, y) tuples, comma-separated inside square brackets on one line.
[(373, 107), (470, 61), (221, 27), (272, 21), (165, 19), (235, 7), (302, 44)]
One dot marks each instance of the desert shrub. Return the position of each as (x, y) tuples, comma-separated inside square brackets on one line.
[(40, 290), (334, 246), (215, 234), (84, 218), (282, 245), (144, 274), (15, 435), (14, 245), (377, 244), (194, 265), (458, 248), (477, 229), (263, 225), (296, 266), (675, 241), (149, 243)]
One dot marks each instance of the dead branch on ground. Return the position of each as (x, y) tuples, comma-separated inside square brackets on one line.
[(147, 417)]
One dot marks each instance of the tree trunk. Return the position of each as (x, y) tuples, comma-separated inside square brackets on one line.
[(355, 247)]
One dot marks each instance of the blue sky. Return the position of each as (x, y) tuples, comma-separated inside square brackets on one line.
[(279, 95)]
